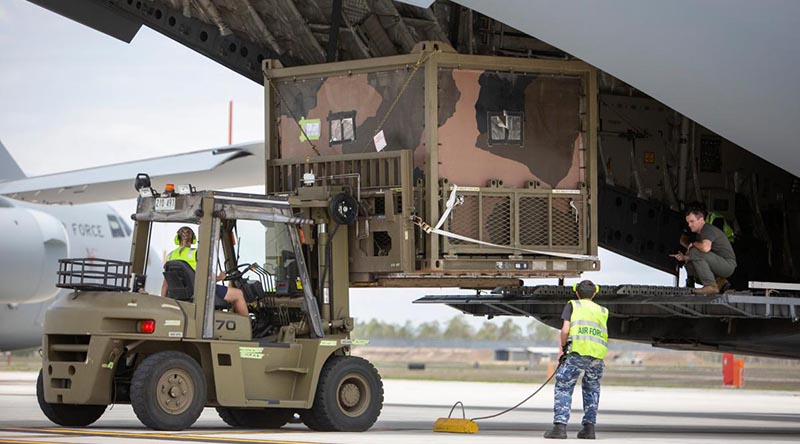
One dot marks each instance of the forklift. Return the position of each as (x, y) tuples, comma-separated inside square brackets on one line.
[(109, 342)]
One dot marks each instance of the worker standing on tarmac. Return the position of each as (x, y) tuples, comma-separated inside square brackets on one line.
[(585, 333)]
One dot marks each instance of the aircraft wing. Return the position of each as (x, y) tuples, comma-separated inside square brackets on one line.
[(228, 167), (96, 16)]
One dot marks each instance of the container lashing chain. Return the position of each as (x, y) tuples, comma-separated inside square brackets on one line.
[(423, 57), (294, 118)]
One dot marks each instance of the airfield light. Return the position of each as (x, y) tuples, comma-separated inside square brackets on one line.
[(147, 326)]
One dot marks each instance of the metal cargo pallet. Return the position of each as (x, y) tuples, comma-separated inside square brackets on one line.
[(625, 301)]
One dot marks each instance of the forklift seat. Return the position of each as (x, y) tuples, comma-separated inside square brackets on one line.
[(180, 283), (180, 280)]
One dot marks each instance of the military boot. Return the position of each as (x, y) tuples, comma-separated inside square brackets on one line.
[(707, 289), (559, 432), (723, 285), (587, 432)]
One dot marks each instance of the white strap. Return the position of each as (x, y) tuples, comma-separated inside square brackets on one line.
[(451, 203), (431, 230)]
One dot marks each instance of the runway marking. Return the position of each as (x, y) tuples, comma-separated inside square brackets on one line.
[(20, 441), (164, 436), (244, 432)]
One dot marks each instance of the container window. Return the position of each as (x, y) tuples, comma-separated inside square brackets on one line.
[(505, 128), (342, 127)]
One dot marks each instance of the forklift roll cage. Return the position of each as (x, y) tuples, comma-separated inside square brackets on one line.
[(215, 213)]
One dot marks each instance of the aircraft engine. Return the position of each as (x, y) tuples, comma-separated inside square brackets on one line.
[(31, 243)]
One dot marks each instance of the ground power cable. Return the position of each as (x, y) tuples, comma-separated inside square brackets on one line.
[(480, 418)]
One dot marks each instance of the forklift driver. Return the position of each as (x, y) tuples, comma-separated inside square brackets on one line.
[(185, 238)]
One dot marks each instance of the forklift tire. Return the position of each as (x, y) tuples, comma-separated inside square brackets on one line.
[(349, 396), (309, 420), (168, 391), (67, 415), (255, 418)]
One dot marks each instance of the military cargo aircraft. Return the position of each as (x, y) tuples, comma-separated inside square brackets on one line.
[(691, 108)]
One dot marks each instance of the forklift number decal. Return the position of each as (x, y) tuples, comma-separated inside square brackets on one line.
[(227, 325), (251, 352)]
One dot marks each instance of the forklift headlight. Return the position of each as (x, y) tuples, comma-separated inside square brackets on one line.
[(184, 189), (142, 182)]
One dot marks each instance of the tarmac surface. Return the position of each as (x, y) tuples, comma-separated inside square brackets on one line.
[(652, 415)]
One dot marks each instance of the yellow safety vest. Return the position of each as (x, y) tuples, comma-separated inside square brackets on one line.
[(186, 254), (587, 329), (712, 216)]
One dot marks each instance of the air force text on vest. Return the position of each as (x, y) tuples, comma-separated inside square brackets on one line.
[(594, 331)]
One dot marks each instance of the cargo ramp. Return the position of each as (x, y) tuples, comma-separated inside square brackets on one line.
[(759, 321)]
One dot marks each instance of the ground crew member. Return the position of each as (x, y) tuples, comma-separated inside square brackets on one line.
[(711, 217), (710, 259), (584, 339), (185, 238)]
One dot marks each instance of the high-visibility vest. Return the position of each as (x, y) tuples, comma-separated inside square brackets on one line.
[(587, 329), (186, 254), (711, 217)]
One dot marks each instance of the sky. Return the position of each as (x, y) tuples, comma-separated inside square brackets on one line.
[(74, 98)]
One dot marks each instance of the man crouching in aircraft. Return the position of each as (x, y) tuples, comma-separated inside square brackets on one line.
[(709, 259), (185, 238)]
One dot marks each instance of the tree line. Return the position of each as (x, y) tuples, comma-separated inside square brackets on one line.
[(456, 328)]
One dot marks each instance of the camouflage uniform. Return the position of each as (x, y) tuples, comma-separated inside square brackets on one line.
[(566, 377)]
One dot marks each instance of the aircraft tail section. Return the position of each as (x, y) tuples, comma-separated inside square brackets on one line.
[(9, 170)]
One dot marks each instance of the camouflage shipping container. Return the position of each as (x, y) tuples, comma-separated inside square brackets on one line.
[(516, 138)]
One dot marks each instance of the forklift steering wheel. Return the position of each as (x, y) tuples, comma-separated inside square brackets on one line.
[(240, 270)]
